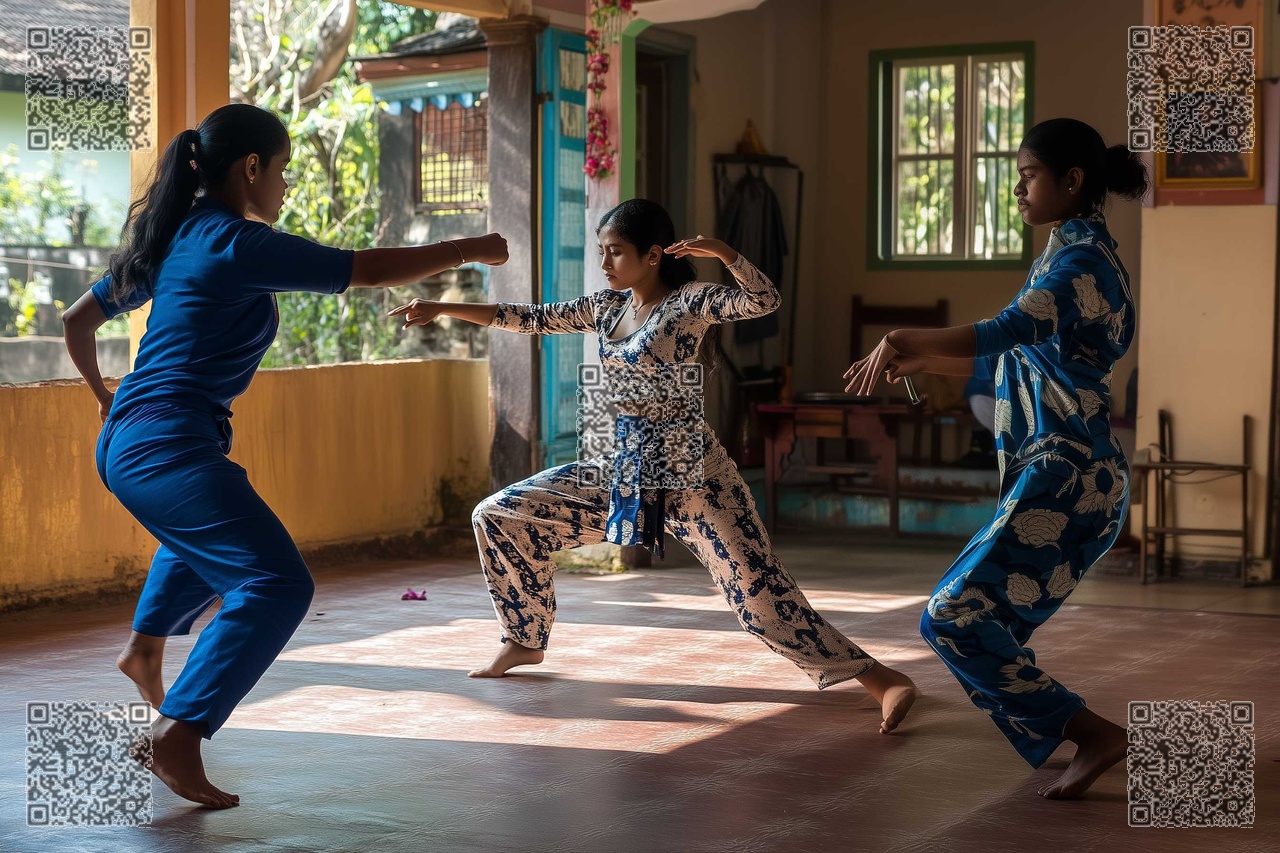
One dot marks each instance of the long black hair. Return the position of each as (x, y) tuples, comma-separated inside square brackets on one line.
[(194, 160), (645, 224), (1064, 143)]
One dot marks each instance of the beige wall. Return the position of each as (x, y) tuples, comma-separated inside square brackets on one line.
[(799, 70), (764, 65), (342, 453), (1080, 72), (1207, 355)]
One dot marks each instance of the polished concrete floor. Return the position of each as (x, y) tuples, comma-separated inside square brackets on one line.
[(655, 723)]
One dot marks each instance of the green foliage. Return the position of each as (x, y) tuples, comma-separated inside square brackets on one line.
[(19, 309), (927, 133), (383, 23), (31, 202), (333, 175)]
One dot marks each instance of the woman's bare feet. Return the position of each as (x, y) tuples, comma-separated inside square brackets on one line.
[(141, 660), (511, 654), (1100, 745), (894, 691), (173, 754)]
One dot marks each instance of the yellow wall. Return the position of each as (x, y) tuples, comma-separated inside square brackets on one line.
[(342, 453), (1209, 308)]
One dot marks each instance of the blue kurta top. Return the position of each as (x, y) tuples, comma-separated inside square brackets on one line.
[(1053, 350), (213, 313)]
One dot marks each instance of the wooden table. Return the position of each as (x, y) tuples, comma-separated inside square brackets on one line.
[(782, 424)]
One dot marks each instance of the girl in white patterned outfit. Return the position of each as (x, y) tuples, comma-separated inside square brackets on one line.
[(654, 316)]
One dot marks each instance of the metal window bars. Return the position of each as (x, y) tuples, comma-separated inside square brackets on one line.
[(454, 164)]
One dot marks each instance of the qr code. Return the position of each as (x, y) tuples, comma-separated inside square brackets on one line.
[(1190, 764), (1191, 89), (670, 442), (88, 88), (80, 769)]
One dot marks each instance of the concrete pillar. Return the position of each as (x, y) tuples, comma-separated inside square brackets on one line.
[(514, 381), (190, 51)]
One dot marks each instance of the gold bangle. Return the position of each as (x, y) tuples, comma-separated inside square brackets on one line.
[(462, 259)]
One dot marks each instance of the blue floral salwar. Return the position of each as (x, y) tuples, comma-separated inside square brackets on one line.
[(1064, 482)]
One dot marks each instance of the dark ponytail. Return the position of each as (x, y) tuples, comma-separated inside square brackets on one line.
[(1066, 143), (1125, 173), (194, 160), (645, 224)]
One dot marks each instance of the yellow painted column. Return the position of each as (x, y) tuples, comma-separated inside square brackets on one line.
[(189, 77)]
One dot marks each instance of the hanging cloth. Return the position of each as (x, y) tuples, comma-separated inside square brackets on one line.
[(753, 224)]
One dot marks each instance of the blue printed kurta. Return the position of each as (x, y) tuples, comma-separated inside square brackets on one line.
[(1063, 482), (519, 528)]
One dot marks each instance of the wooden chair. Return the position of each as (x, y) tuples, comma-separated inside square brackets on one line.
[(1169, 471), (898, 316), (903, 316)]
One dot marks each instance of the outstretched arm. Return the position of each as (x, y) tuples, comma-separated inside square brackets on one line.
[(953, 342), (910, 365), (404, 265), (420, 312), (905, 352), (553, 318)]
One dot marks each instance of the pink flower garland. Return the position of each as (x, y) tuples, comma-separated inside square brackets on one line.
[(600, 152)]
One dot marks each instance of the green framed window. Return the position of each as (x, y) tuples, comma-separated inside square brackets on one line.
[(944, 128)]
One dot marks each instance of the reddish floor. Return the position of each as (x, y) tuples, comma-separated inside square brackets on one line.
[(655, 724)]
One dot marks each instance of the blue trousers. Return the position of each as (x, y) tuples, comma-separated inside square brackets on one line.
[(1054, 522), (167, 464)]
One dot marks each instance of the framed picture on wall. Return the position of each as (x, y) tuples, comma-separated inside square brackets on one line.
[(1209, 170), (1206, 170)]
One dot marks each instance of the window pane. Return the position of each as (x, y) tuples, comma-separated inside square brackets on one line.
[(926, 99), (455, 167), (573, 120), (997, 226), (926, 197), (573, 70), (1000, 93), (1000, 103)]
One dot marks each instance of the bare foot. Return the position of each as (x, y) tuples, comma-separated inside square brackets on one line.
[(511, 654), (1100, 745), (173, 754), (895, 692), (141, 660)]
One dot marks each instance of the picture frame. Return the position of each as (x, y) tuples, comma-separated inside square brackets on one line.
[(1208, 170)]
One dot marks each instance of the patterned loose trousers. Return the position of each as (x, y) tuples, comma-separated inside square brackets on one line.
[(519, 528), (1054, 522)]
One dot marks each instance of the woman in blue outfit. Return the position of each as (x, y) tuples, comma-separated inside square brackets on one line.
[(211, 265), (654, 322), (1063, 476)]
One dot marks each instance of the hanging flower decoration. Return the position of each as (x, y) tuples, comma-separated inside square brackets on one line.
[(607, 19)]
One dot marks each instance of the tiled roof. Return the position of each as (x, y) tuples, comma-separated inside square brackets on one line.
[(462, 35), (18, 16)]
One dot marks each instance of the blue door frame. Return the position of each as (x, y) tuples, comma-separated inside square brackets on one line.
[(562, 80)]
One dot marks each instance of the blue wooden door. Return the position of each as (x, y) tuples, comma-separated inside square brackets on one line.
[(562, 77)]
